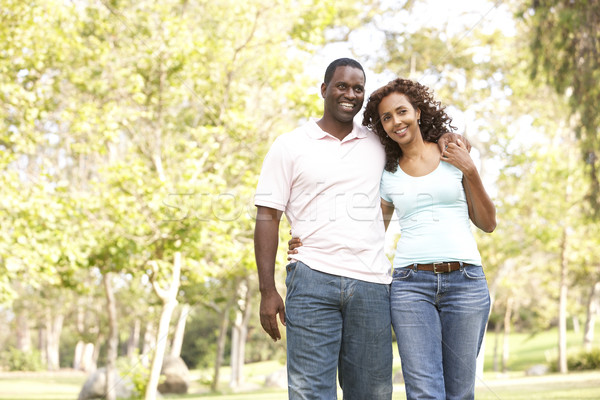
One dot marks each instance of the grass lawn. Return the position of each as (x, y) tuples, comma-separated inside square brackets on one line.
[(38, 386), (573, 386), (525, 350)]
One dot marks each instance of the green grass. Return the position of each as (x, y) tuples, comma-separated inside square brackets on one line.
[(39, 386), (576, 386), (525, 350)]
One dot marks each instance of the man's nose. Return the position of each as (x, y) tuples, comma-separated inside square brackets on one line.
[(351, 94)]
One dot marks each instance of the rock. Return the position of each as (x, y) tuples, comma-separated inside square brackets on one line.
[(173, 384), (537, 370), (95, 386), (277, 379), (176, 376)]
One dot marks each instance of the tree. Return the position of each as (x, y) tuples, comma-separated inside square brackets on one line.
[(564, 38)]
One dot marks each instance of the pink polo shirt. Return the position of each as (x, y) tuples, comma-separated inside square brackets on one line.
[(329, 191)]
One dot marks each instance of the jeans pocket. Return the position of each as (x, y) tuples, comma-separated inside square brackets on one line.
[(291, 273), (474, 272), (402, 274)]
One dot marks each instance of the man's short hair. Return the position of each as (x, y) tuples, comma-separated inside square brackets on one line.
[(342, 62)]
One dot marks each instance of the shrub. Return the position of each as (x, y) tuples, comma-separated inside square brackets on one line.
[(16, 360), (586, 360), (134, 369)]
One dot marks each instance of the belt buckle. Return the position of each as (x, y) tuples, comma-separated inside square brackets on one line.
[(435, 268)]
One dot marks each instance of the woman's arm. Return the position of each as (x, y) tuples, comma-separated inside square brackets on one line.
[(387, 210), (481, 208)]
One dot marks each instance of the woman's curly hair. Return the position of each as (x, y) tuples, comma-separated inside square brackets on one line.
[(434, 120)]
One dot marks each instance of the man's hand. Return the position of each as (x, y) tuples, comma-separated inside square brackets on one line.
[(271, 304), (448, 138)]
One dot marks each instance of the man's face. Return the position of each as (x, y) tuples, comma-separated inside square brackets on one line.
[(345, 93)]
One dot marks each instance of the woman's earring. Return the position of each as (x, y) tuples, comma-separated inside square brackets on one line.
[(419, 121)]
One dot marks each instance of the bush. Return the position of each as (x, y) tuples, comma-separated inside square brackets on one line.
[(134, 369), (16, 360), (586, 360)]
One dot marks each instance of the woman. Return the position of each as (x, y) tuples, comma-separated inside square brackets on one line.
[(439, 295)]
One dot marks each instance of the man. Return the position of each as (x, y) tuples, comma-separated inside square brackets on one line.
[(325, 176)]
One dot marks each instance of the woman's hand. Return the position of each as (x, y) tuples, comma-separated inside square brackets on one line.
[(457, 154), (293, 244), (450, 137), (481, 208)]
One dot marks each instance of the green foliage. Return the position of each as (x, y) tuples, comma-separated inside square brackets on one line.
[(585, 360), (17, 360), (199, 342), (133, 368), (565, 41), (582, 361)]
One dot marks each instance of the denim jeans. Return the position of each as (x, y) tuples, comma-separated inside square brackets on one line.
[(439, 321), (336, 322)]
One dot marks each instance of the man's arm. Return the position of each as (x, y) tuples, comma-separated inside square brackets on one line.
[(266, 239)]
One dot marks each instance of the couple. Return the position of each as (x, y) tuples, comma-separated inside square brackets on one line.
[(326, 176)]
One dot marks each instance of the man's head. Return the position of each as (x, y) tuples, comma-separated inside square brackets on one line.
[(343, 90), (342, 62)]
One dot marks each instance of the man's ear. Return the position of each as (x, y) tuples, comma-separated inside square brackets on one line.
[(323, 89)]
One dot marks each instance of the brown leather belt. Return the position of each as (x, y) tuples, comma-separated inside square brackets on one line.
[(438, 267)]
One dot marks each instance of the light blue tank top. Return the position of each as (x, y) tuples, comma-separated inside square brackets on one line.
[(433, 215)]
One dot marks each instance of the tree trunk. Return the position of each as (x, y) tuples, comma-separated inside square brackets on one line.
[(88, 363), (239, 335), (42, 340), (590, 320), (96, 351), (23, 331), (78, 356), (505, 345), (80, 346), (575, 320), (169, 300), (496, 347), (54, 325), (481, 355), (149, 341), (220, 347), (134, 339), (179, 331), (562, 306), (505, 268), (113, 338)]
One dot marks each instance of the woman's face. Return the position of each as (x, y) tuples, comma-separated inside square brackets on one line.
[(399, 118)]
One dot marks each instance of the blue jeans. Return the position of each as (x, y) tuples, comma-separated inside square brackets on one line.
[(439, 321), (336, 322)]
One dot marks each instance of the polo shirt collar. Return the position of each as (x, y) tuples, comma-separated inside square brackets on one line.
[(315, 131)]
